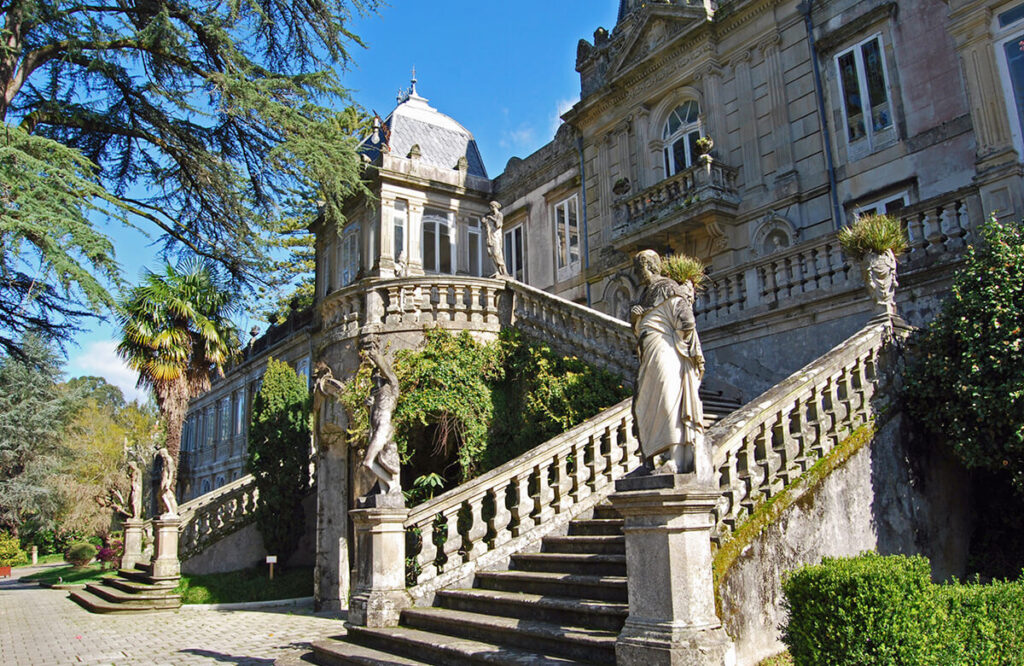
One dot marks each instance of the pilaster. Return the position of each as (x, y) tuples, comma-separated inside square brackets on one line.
[(752, 173)]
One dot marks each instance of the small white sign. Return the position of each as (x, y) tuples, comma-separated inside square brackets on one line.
[(271, 559)]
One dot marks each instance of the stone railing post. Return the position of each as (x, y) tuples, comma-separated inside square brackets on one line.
[(379, 595), (166, 566), (672, 619), (132, 543)]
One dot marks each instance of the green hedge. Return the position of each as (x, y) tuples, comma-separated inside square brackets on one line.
[(875, 610)]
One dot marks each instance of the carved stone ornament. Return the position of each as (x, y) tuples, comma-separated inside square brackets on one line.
[(879, 271), (168, 499), (381, 457), (493, 222)]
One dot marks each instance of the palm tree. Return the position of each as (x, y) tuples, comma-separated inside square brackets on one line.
[(176, 332)]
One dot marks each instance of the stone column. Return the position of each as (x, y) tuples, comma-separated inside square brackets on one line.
[(132, 543), (165, 549), (386, 262), (379, 595), (785, 169), (414, 241), (672, 619)]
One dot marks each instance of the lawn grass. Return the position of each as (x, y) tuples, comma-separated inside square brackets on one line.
[(782, 659), (50, 559), (246, 585), (69, 574)]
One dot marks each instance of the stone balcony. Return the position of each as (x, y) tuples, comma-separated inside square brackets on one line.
[(698, 199)]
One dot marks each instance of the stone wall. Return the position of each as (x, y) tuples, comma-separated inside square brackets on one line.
[(884, 498)]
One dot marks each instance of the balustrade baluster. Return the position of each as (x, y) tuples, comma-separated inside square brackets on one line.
[(933, 232), (502, 516), (427, 557), (453, 539), (475, 315), (544, 508), (522, 511), (745, 468), (915, 234), (598, 461), (952, 228), (563, 483), (581, 472), (476, 530)]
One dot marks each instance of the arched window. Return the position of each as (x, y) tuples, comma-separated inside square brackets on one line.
[(681, 131), (206, 486)]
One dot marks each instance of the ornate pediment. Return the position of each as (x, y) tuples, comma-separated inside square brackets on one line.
[(654, 28)]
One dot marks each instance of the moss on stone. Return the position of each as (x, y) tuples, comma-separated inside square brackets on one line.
[(767, 512)]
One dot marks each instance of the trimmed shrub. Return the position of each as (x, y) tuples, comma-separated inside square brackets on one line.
[(80, 554), (10, 553), (875, 610), (866, 610)]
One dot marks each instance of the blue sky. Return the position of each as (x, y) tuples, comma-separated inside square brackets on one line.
[(505, 70)]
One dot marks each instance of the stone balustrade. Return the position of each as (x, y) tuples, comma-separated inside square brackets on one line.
[(480, 523), (762, 447), (600, 340), (216, 514), (706, 181), (818, 268), (399, 304)]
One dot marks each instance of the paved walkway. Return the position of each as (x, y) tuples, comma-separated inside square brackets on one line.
[(41, 626)]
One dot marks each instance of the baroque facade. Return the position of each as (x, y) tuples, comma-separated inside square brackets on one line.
[(817, 112)]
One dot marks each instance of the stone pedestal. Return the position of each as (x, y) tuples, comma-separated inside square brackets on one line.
[(672, 619), (132, 543), (379, 595), (165, 549)]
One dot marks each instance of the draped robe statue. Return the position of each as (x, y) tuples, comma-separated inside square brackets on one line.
[(493, 222), (381, 457), (666, 405)]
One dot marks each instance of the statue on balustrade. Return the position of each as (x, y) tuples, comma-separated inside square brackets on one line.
[(667, 409), (879, 271), (381, 457), (167, 477), (135, 492), (493, 222)]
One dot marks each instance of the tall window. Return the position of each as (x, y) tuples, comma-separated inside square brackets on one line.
[(681, 131), (348, 256), (890, 205), (514, 257), (438, 241), (474, 247), (864, 88), (302, 369), (239, 411), (400, 220), (1010, 33), (210, 424), (567, 236), (325, 269), (225, 418)]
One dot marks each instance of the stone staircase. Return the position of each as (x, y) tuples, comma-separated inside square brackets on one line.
[(564, 604), (130, 591)]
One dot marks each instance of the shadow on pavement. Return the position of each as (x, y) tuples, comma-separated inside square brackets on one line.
[(227, 658)]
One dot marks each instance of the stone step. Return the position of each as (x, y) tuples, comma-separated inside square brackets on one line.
[(605, 615), (151, 598), (606, 545), (347, 653), (604, 588), (596, 527), (571, 642), (605, 510), (96, 604), (587, 564), (136, 587), (136, 575), (431, 648)]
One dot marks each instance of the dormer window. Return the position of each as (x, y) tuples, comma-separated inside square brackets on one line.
[(681, 131)]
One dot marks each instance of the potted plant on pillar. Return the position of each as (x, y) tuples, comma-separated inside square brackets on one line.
[(10, 554), (875, 242)]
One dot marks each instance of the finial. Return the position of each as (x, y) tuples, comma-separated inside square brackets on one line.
[(413, 91)]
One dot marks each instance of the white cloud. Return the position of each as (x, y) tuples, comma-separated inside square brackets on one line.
[(100, 359), (523, 137)]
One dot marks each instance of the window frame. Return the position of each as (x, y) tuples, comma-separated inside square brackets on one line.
[(565, 266), (881, 205), (516, 268), (688, 132), (1002, 36), (474, 233), (400, 228), (872, 139), (348, 255), (435, 217)]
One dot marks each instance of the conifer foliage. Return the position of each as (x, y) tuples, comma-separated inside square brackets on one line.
[(216, 124), (279, 456)]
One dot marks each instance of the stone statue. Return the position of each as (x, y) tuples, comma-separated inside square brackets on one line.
[(135, 494), (324, 385), (666, 405), (381, 456), (879, 272), (492, 224), (167, 477), (401, 265)]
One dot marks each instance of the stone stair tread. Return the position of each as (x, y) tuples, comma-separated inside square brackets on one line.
[(573, 557), (541, 600), (599, 521), (136, 587), (95, 604), (115, 595), (527, 628), (353, 653), (477, 651), (588, 538), (554, 577)]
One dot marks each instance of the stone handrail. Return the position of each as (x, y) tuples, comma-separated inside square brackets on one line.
[(409, 303), (480, 523), (763, 446), (818, 267), (686, 187), (598, 339), (216, 514)]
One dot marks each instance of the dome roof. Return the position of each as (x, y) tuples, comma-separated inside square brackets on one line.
[(441, 140)]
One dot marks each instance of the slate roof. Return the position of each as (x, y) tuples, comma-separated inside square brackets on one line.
[(442, 140)]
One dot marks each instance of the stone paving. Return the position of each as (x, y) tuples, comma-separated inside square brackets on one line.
[(42, 626)]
